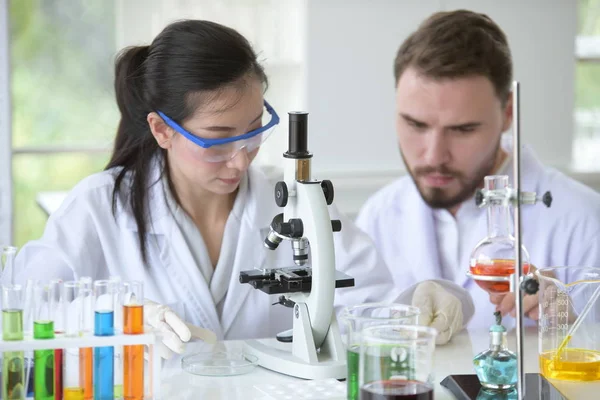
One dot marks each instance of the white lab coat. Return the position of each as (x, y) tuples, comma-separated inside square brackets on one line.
[(567, 234), (82, 238)]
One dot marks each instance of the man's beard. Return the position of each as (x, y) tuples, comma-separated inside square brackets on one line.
[(437, 197)]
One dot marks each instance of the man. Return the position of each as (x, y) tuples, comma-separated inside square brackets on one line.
[(453, 81)]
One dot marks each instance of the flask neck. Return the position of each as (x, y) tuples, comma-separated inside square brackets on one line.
[(498, 221), (498, 341)]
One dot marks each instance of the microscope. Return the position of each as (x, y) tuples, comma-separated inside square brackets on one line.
[(313, 349)]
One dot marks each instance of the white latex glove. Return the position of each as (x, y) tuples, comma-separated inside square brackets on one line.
[(439, 309), (175, 332)]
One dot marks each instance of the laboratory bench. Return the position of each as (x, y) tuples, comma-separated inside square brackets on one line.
[(453, 358)]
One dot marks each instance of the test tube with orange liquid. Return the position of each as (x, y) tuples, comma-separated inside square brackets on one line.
[(86, 355), (133, 356)]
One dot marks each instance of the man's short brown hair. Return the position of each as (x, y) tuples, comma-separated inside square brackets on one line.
[(456, 44)]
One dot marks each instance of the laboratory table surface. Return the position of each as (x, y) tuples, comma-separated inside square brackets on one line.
[(453, 358)]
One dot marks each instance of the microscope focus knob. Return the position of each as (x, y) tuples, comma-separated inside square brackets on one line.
[(547, 199), (327, 187), (336, 225), (281, 194)]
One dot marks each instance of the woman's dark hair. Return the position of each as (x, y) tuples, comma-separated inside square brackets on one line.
[(188, 58)]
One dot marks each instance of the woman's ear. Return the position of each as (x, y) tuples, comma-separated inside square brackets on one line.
[(161, 131)]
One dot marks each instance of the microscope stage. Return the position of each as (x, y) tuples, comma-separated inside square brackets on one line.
[(288, 280)]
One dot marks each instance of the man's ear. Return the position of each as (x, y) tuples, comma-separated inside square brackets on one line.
[(161, 131)]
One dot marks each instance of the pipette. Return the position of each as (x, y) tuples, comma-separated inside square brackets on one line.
[(577, 322)]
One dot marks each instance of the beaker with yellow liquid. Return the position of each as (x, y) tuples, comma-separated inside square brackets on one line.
[(569, 326)]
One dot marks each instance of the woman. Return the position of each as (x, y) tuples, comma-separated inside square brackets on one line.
[(181, 212)]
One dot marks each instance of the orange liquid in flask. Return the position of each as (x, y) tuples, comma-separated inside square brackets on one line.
[(497, 267)]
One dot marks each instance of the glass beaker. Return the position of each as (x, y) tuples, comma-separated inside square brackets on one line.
[(396, 362), (492, 261), (569, 327), (354, 319)]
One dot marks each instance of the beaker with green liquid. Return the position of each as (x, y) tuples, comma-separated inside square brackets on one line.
[(356, 318), (569, 326), (13, 373)]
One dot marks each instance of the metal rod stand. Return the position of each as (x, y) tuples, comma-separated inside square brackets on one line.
[(518, 259)]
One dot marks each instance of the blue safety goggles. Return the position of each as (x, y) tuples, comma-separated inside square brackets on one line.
[(219, 150)]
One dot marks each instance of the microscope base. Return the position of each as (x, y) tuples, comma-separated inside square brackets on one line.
[(301, 358), (278, 357)]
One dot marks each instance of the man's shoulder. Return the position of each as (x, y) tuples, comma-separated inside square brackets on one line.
[(569, 194), (575, 206)]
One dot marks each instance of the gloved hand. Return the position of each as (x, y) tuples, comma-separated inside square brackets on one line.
[(439, 309), (175, 332)]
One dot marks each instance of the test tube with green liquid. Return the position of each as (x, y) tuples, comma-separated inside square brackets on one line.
[(43, 360), (13, 383)]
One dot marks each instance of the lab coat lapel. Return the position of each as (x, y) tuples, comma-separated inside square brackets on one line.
[(250, 254), (193, 284), (176, 256), (417, 239)]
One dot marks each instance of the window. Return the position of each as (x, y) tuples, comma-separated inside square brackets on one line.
[(60, 81), (63, 110), (586, 145)]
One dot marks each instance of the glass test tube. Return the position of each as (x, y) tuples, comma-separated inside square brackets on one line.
[(133, 323), (72, 309), (28, 314), (86, 358), (118, 317), (43, 328), (104, 366), (55, 312), (7, 258), (13, 384)]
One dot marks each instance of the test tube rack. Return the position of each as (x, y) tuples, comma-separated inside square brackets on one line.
[(148, 339)]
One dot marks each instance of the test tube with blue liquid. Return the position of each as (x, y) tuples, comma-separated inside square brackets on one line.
[(43, 329), (104, 367), (13, 383)]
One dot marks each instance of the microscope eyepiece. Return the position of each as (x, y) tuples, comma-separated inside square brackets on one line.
[(298, 135)]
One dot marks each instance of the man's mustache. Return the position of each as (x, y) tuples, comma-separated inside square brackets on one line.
[(442, 170)]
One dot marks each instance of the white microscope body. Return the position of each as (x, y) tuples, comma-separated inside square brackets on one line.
[(316, 350)]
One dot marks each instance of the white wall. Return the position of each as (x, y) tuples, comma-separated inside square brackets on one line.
[(350, 93)]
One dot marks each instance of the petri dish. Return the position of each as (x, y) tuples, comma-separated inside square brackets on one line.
[(219, 363)]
